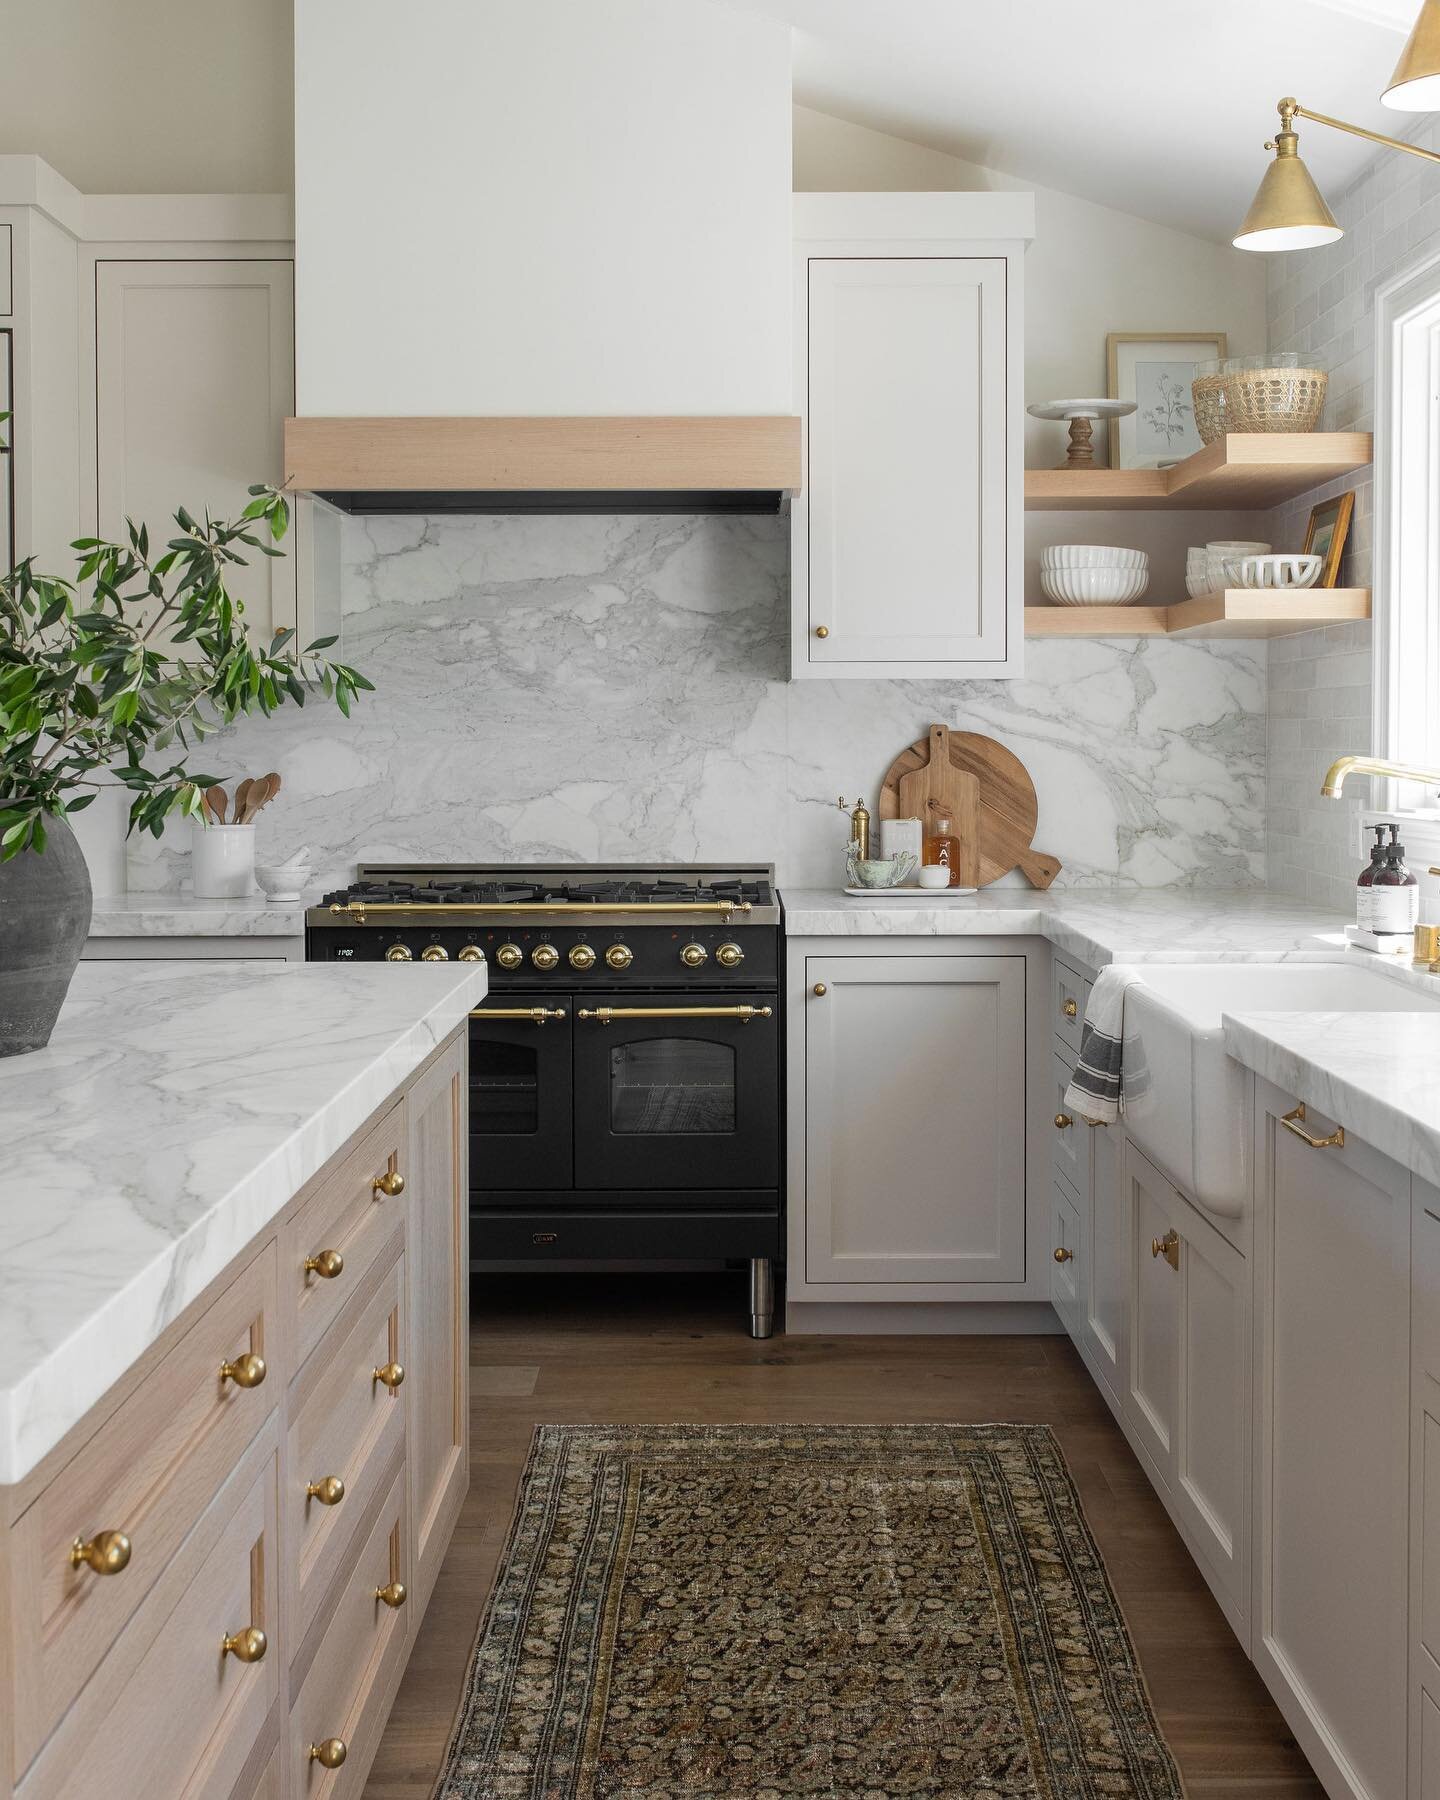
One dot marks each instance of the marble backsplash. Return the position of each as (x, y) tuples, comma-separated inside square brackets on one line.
[(588, 689)]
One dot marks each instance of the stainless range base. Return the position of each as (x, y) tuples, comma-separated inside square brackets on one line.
[(762, 1297)]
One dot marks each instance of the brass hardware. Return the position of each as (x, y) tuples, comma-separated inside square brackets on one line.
[(393, 1596), (1062, 1255), (434, 953), (1294, 1122), (1336, 774), (469, 953), (606, 1013), (327, 1264), (549, 909), (390, 1376), (391, 1183), (329, 1753), (1412, 87), (1093, 1123), (822, 631), (246, 1371), (509, 956), (859, 826), (399, 953), (107, 1552), (582, 956), (247, 1646), (545, 956), (1427, 944), (537, 1015), (693, 955), (619, 956), (729, 956), (329, 1490), (1069, 1009), (819, 990), (1063, 1121), (1168, 1247)]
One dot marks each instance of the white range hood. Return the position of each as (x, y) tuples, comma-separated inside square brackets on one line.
[(542, 255)]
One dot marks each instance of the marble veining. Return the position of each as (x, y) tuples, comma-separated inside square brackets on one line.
[(181, 915), (176, 1110), (578, 689)]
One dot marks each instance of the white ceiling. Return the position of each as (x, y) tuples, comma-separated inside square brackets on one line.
[(1159, 107)]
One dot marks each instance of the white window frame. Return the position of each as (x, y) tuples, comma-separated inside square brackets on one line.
[(1405, 583)]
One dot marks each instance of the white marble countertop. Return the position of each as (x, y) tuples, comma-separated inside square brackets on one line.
[(181, 915), (174, 1113)]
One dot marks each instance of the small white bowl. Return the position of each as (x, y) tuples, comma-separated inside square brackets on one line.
[(1237, 547), (282, 884), (1273, 571), (1094, 587), (1092, 556)]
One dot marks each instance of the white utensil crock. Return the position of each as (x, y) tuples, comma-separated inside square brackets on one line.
[(222, 862)]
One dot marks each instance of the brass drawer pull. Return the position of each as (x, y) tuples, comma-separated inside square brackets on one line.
[(822, 631), (1069, 1009), (1063, 1121), (329, 1752), (246, 1371), (1062, 1255), (393, 1596), (1294, 1122), (391, 1183), (606, 1013), (536, 1015), (327, 1264), (247, 1646), (107, 1553), (1168, 1247), (819, 990), (329, 1490), (390, 1376)]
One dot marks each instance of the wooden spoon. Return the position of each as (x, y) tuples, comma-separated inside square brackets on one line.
[(242, 801), (215, 804), (270, 787)]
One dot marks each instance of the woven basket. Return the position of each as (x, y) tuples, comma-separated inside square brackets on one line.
[(1273, 400), (1208, 394)]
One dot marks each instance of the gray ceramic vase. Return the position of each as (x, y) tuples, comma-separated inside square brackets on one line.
[(44, 919)]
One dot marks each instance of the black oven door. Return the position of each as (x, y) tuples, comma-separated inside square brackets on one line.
[(520, 1086), (681, 1095)]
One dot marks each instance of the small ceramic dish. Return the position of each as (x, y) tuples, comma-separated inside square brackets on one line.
[(879, 871)]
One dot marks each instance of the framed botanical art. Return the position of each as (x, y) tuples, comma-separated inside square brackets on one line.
[(1326, 533), (1154, 369)]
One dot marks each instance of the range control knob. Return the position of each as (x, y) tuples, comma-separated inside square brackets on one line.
[(619, 956), (509, 956), (434, 953), (399, 953), (544, 956), (693, 955), (582, 956), (469, 953), (729, 956)]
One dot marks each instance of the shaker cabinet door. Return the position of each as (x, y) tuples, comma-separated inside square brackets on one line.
[(1106, 1272)]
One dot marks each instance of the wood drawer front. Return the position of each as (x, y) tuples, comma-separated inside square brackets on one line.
[(1067, 989), (345, 1213), (150, 1471), (347, 1424), (169, 1713), (346, 1690)]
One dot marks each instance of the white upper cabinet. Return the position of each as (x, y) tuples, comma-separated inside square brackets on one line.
[(907, 536)]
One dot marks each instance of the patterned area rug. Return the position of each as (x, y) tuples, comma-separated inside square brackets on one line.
[(685, 1612)]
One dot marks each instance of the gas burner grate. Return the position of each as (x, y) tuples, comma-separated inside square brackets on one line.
[(657, 893)]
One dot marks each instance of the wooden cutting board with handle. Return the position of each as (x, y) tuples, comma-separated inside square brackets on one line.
[(986, 792)]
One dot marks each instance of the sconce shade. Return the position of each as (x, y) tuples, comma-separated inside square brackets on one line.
[(1288, 211), (1415, 85)]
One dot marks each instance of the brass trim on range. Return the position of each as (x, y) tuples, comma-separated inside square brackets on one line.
[(1295, 1121), (606, 1013), (537, 1015), (548, 909)]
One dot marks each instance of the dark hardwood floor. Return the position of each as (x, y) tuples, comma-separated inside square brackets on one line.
[(580, 1349)]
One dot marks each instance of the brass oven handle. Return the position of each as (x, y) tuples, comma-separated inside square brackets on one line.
[(1294, 1121), (552, 909), (537, 1015), (606, 1013)]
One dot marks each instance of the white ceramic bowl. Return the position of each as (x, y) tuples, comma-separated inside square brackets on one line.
[(282, 884), (1273, 571), (1237, 547), (1094, 587), (1092, 556)]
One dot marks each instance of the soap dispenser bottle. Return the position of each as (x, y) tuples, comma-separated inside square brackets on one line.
[(1365, 886), (1395, 892)]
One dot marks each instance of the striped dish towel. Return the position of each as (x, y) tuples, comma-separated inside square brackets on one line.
[(1098, 1082)]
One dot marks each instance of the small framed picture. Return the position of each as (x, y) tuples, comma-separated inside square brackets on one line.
[(1326, 533), (1154, 369)]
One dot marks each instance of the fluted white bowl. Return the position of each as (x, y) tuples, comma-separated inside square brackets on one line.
[(1273, 571), (1092, 556), (1094, 587)]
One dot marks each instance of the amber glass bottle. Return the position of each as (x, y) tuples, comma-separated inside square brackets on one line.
[(942, 847)]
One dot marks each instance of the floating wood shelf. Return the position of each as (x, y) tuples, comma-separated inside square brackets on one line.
[(1244, 471), (1233, 613)]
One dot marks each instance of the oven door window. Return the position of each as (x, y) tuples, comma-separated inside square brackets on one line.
[(672, 1087)]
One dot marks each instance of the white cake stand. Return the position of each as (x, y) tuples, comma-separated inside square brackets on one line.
[(1081, 415)]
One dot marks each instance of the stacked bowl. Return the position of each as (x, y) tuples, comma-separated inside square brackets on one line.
[(1093, 574), (1207, 565)]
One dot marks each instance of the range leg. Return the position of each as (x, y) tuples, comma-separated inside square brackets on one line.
[(762, 1297)]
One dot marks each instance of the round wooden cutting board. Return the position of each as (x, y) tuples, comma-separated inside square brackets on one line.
[(1003, 797)]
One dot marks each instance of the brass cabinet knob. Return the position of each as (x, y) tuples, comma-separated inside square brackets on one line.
[(391, 1183), (107, 1553), (393, 1596), (582, 956), (1063, 1121), (545, 956), (822, 631), (327, 1264), (329, 1753), (729, 956), (1168, 1247), (693, 955), (1062, 1255), (1069, 1009), (619, 956), (434, 953), (329, 1490), (509, 956), (399, 953), (247, 1646), (819, 990), (390, 1376), (246, 1371), (469, 953)]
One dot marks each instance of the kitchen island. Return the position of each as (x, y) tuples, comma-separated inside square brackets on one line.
[(232, 1369)]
